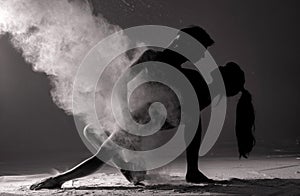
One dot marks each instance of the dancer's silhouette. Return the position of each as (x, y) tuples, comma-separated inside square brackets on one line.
[(234, 80)]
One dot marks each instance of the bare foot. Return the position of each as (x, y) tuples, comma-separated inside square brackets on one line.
[(48, 183), (197, 178)]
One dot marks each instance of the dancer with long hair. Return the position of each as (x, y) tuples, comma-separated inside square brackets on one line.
[(234, 80)]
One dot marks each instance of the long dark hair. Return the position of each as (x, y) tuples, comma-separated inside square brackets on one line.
[(234, 79), (245, 126)]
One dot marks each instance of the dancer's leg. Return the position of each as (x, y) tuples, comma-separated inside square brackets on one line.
[(87, 167), (193, 173)]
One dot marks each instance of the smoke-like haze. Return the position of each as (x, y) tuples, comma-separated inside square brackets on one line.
[(54, 36)]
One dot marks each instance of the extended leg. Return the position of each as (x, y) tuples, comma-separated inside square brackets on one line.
[(85, 168)]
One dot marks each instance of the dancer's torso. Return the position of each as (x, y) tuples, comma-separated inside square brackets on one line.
[(150, 92)]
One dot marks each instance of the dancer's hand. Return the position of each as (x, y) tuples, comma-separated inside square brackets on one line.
[(135, 177), (48, 183)]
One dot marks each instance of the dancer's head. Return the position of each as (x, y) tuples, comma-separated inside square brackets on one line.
[(187, 42), (199, 34), (234, 80)]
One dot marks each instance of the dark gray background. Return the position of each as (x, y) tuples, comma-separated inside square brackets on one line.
[(261, 36)]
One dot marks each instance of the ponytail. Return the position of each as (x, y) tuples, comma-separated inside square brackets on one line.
[(245, 127)]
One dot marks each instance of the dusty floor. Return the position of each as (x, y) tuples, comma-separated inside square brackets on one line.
[(256, 176)]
